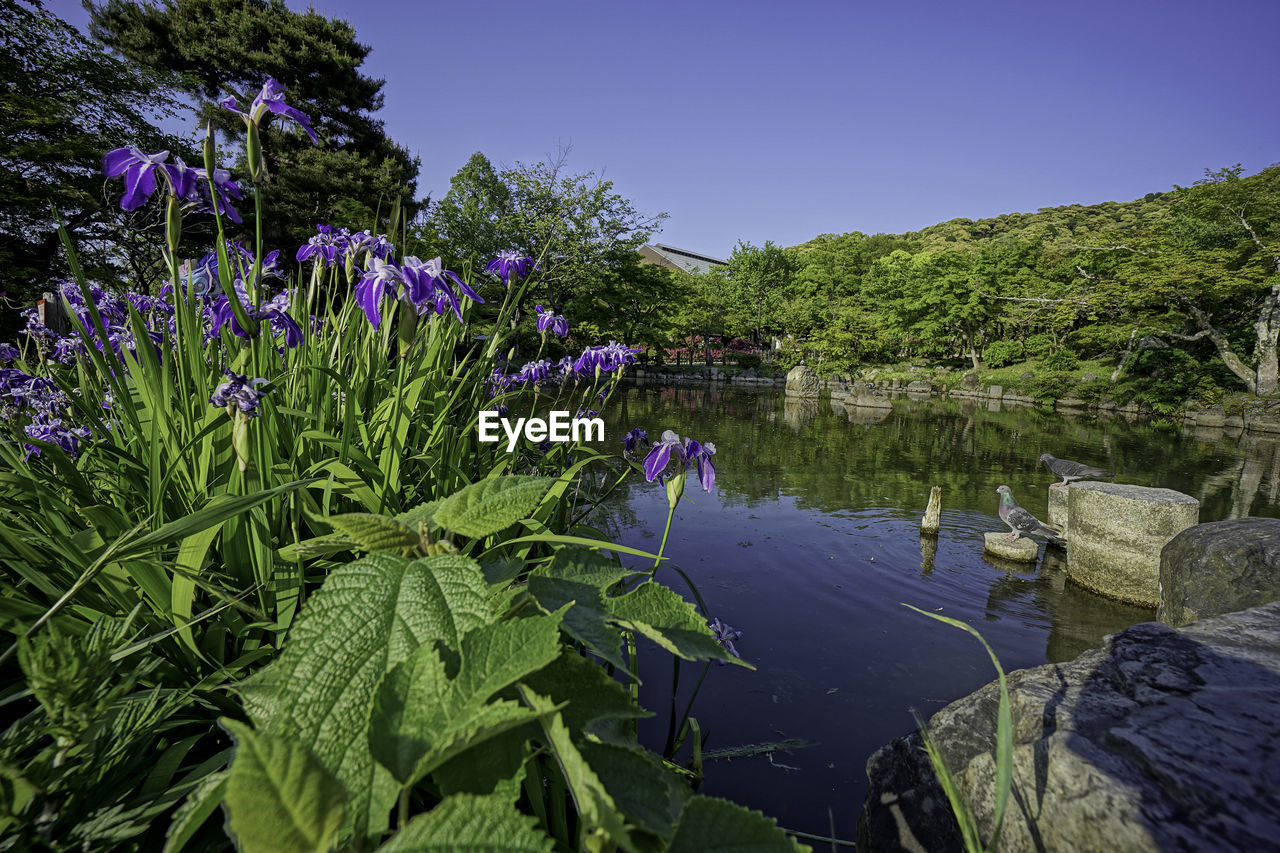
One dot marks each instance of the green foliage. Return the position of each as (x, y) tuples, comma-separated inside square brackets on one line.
[(748, 360), (399, 677), (1061, 360), (1038, 345), (584, 234), (1001, 353)]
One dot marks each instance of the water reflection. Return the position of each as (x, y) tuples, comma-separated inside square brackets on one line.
[(812, 541)]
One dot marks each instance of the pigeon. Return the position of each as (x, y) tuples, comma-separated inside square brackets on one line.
[(1071, 471), (1022, 522)]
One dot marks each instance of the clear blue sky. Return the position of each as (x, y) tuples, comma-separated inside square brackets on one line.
[(780, 121)]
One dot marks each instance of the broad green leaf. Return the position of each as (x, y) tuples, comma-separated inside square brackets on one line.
[(602, 825), (708, 825), (495, 766), (499, 573), (420, 514), (645, 791), (663, 616), (376, 532), (491, 505), (422, 718), (588, 620), (280, 798), (368, 617), (463, 823), (590, 693), (582, 565), (317, 546), (195, 810)]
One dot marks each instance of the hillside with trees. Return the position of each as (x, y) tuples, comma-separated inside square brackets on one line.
[(1193, 273)]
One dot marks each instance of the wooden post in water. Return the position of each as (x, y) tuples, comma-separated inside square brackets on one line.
[(933, 513)]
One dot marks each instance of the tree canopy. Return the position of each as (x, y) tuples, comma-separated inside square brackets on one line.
[(213, 48), (63, 105)]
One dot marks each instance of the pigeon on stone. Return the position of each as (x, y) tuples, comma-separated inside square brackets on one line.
[(1023, 523), (1071, 471)]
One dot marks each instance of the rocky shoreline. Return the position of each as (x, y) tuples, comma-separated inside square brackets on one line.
[(1258, 416)]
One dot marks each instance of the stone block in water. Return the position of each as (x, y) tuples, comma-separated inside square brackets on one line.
[(1020, 550), (1117, 534), (1217, 568), (1058, 508)]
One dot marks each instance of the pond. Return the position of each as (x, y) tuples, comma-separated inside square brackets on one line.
[(810, 546)]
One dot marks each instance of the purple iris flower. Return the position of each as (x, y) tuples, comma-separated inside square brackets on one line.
[(8, 352), (271, 99), (240, 392), (634, 439), (725, 636), (226, 189), (45, 426), (139, 172), (508, 264), (326, 245), (275, 312), (383, 277), (604, 359), (535, 372), (548, 320), (427, 282), (687, 455)]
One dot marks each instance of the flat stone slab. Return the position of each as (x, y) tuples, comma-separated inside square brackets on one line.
[(1020, 550), (1117, 533), (1161, 739)]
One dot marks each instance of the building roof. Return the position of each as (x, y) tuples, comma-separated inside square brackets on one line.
[(682, 259)]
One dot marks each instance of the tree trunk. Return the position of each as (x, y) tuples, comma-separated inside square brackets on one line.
[(1233, 362), (1124, 359)]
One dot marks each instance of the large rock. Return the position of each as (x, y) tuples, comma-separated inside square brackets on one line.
[(919, 386), (1161, 739), (1219, 568), (803, 382), (1117, 532)]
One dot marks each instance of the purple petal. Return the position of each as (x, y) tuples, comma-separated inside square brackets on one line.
[(369, 297), (656, 460), (303, 120), (139, 184), (115, 162)]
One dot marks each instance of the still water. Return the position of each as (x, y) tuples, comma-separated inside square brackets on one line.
[(810, 546)]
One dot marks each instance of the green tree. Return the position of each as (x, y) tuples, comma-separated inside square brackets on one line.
[(473, 222), (64, 104), (1232, 224), (702, 309), (585, 236), (761, 277), (212, 48)]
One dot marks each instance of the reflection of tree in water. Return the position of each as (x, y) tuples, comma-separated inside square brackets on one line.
[(769, 446)]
